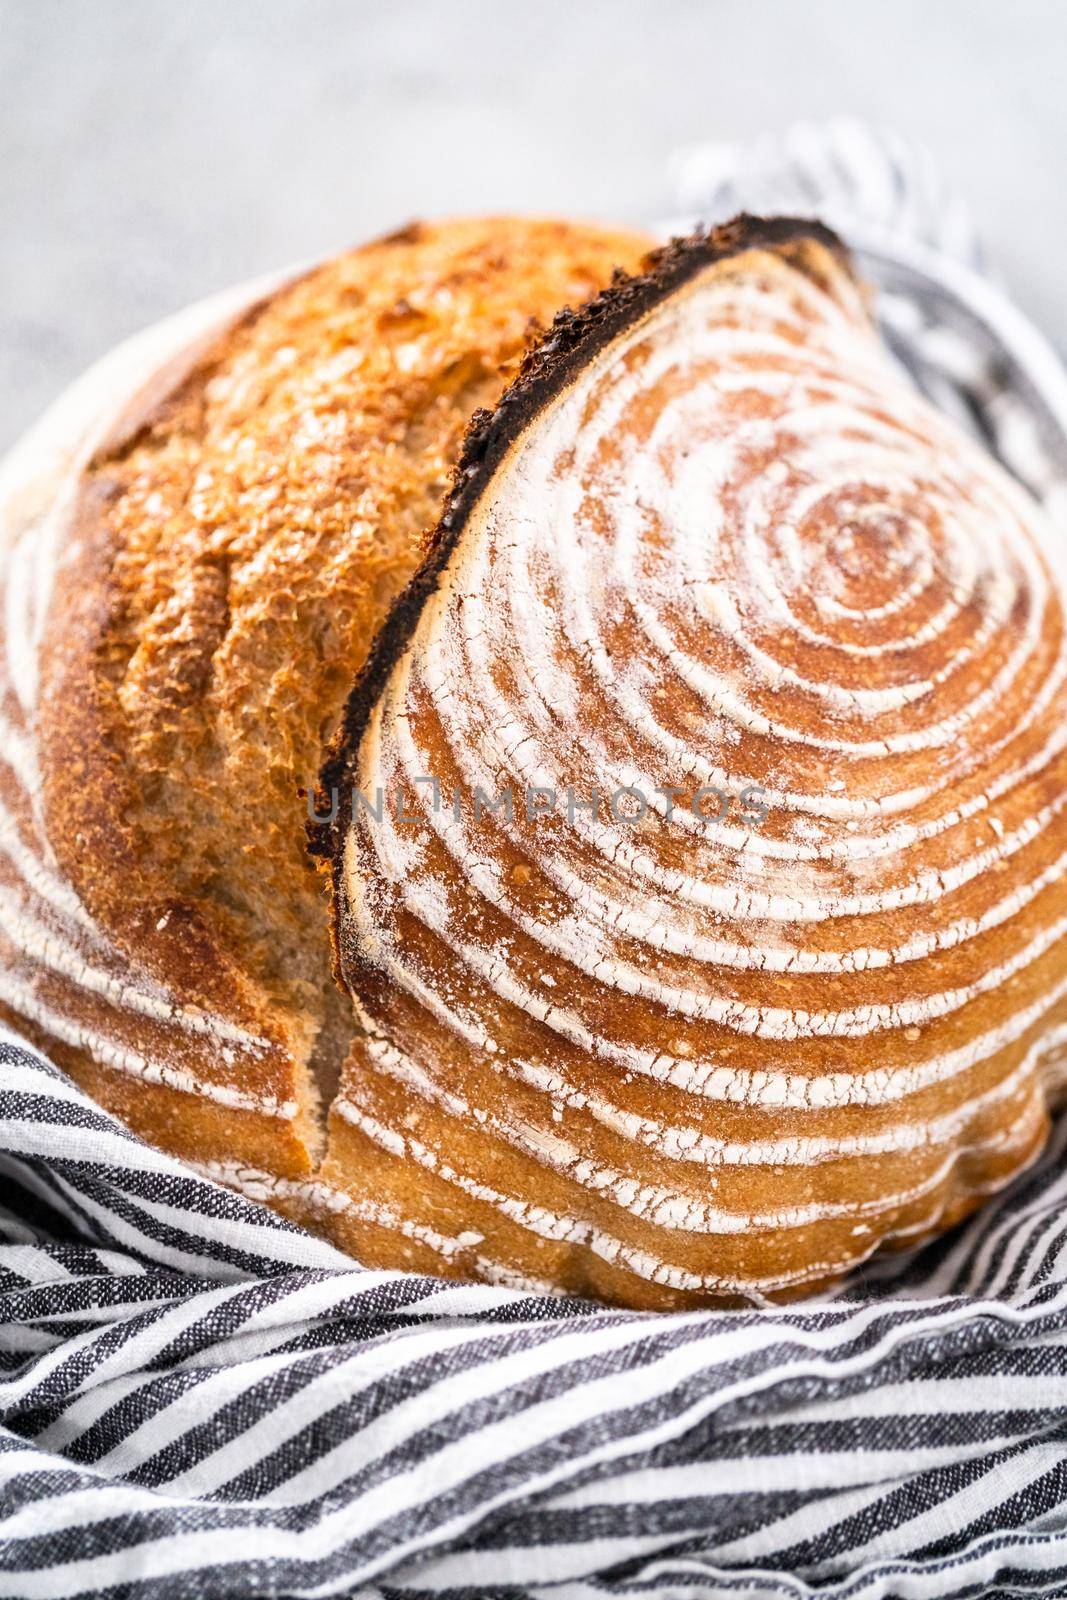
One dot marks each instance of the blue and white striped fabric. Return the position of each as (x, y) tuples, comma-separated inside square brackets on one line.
[(198, 1400)]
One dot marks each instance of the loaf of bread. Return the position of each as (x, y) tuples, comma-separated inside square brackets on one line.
[(690, 795)]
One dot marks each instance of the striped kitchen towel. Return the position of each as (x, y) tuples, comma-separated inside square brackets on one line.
[(199, 1400)]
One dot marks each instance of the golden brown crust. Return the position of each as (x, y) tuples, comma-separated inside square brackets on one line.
[(229, 552)]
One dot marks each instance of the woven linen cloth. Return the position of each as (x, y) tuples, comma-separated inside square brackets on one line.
[(199, 1400)]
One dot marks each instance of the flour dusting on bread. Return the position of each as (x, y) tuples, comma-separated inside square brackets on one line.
[(712, 543)]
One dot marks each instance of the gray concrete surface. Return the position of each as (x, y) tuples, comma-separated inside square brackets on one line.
[(154, 150)]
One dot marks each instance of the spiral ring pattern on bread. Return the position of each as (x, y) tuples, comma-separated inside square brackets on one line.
[(712, 542)]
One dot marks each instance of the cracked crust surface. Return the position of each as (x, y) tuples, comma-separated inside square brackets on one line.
[(573, 340), (232, 549)]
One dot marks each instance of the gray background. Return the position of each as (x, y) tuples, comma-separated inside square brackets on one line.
[(153, 150)]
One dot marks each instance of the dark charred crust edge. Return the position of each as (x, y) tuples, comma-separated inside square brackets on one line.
[(573, 338)]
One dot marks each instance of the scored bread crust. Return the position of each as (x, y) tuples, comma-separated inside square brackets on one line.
[(573, 340), (197, 556), (880, 1051)]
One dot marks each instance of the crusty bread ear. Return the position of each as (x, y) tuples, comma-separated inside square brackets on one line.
[(795, 988), (207, 549)]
